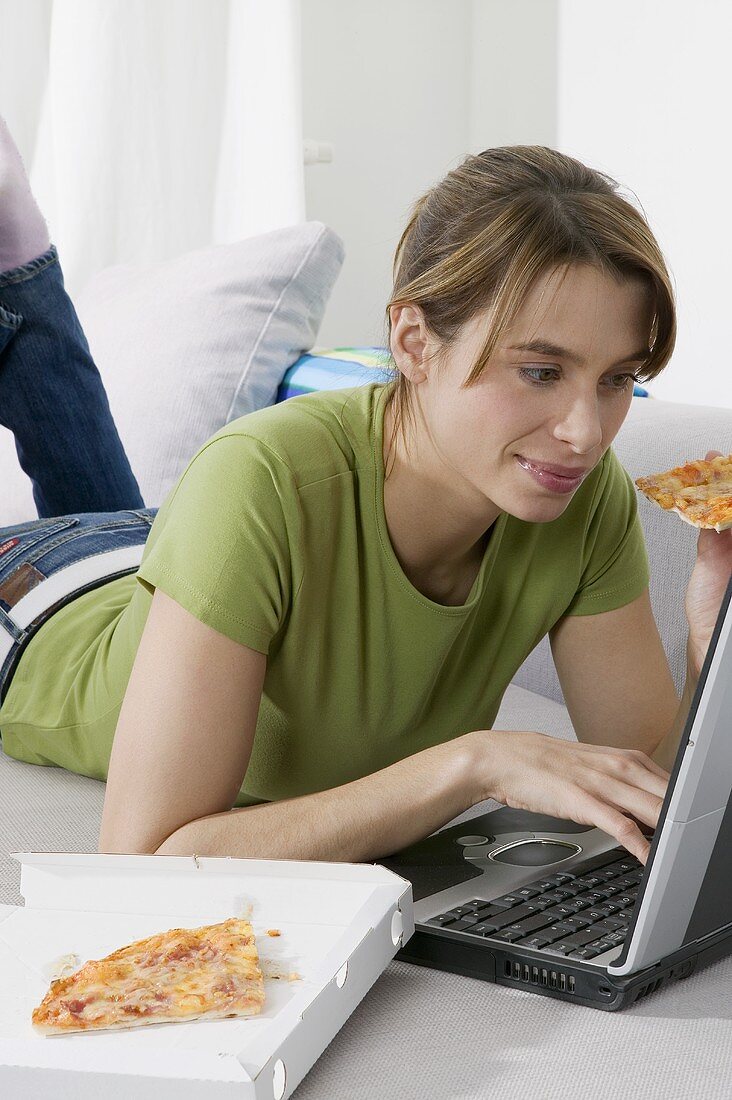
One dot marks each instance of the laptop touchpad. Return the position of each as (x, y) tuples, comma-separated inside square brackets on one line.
[(534, 853)]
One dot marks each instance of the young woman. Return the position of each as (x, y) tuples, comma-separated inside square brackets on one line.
[(335, 595)]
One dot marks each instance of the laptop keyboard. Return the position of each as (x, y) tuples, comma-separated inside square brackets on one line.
[(578, 913)]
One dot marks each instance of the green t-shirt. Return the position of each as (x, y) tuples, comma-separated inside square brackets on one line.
[(275, 535)]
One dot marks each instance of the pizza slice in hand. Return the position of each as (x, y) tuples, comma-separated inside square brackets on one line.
[(181, 975), (699, 491)]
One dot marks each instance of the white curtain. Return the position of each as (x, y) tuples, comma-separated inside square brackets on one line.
[(152, 127)]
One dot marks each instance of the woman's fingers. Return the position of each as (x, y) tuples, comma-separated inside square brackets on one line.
[(614, 823), (643, 804), (632, 754), (636, 775)]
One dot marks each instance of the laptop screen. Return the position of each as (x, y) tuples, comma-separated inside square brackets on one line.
[(713, 907), (686, 893)]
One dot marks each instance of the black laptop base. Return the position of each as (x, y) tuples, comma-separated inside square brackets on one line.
[(563, 979), (436, 864)]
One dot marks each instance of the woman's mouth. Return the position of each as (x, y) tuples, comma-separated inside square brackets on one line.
[(548, 477)]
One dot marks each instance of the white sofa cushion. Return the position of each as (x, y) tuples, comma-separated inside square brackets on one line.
[(185, 345)]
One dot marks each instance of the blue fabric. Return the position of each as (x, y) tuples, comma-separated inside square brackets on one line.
[(53, 400)]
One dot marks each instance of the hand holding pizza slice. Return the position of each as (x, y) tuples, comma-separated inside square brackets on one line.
[(701, 493)]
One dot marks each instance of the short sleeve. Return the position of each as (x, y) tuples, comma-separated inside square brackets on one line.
[(615, 562), (220, 544)]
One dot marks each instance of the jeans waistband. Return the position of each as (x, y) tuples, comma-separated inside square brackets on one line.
[(38, 605)]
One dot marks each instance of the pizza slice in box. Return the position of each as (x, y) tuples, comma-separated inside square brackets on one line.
[(699, 491), (180, 975)]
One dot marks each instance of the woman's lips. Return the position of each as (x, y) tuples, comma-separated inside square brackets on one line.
[(550, 478)]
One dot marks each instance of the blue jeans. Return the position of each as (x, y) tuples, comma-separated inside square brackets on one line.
[(93, 522)]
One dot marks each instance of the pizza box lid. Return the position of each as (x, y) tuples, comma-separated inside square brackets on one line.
[(340, 925)]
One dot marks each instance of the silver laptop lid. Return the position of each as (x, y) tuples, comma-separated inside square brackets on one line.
[(686, 892)]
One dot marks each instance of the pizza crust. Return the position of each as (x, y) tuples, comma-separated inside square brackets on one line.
[(714, 527)]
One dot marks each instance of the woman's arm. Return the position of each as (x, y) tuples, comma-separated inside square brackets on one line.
[(615, 677), (185, 729), (359, 821)]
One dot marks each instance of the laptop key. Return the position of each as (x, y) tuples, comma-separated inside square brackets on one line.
[(600, 894), (491, 911), (568, 890), (579, 939), (587, 881), (458, 912), (558, 948), (538, 905), (613, 923), (531, 924), (627, 900), (556, 895), (606, 873), (624, 865), (560, 878), (480, 930), (626, 882), (513, 916), (602, 927), (570, 907), (507, 901), (557, 932), (527, 892), (538, 941), (589, 951), (508, 935), (597, 913), (578, 922)]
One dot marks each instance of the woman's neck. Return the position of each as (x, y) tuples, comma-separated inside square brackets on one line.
[(439, 547)]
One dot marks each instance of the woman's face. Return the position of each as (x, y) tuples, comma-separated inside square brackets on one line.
[(532, 409)]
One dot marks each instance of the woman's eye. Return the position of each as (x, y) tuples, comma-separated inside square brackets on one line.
[(543, 376), (622, 381), (539, 376)]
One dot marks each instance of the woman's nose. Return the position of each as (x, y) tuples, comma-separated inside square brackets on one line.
[(581, 426)]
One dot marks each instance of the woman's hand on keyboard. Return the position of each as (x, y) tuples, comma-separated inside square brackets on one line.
[(589, 784)]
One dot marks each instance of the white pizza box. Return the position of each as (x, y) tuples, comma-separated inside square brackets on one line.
[(340, 925)]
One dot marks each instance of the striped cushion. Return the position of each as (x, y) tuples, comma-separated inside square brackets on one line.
[(337, 368)]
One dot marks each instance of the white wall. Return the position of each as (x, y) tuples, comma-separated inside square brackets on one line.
[(639, 89), (644, 94), (404, 89)]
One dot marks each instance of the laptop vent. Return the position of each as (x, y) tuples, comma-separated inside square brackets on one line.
[(539, 975), (646, 989)]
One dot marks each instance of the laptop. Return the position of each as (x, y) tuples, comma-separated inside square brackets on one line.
[(558, 908)]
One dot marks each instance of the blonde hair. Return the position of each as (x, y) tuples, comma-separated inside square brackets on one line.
[(500, 220)]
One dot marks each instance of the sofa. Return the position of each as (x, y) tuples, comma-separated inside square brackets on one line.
[(421, 1033)]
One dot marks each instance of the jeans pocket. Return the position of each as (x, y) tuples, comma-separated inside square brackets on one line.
[(25, 537)]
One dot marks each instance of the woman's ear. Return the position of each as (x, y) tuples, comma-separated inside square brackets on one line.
[(410, 343)]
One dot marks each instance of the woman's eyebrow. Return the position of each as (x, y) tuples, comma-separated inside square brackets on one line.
[(543, 347)]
